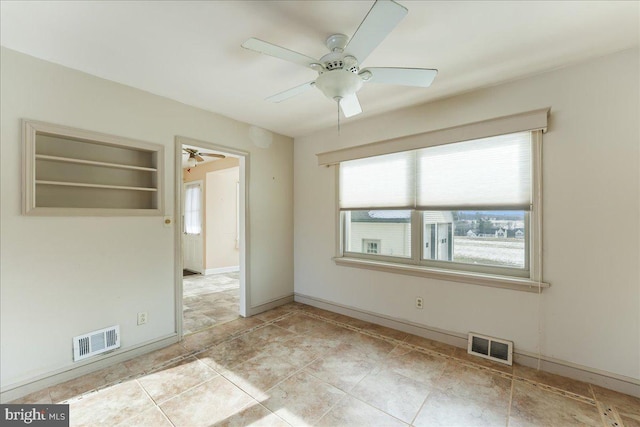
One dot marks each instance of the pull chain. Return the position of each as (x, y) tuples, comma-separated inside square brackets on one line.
[(338, 103)]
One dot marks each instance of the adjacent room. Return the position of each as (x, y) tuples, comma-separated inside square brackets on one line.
[(320, 213)]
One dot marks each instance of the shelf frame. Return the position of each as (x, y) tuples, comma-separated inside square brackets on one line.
[(32, 129)]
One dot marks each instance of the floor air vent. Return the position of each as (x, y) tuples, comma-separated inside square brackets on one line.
[(96, 342), (491, 348)]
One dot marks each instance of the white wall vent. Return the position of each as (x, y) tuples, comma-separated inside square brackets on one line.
[(96, 342), (490, 348)]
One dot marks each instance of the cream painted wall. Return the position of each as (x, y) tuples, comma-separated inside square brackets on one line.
[(221, 218), (64, 276), (591, 314), (200, 173)]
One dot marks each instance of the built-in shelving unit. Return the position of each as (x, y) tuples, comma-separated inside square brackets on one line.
[(76, 172)]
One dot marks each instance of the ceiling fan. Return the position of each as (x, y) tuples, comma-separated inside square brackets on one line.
[(339, 74), (195, 156)]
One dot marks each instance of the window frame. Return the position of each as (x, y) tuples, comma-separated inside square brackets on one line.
[(528, 279)]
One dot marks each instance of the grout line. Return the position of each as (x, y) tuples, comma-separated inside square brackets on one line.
[(513, 385)]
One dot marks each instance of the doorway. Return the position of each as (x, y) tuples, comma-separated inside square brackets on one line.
[(211, 242)]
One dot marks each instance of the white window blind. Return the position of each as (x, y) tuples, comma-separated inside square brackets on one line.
[(489, 173), (192, 207), (378, 182)]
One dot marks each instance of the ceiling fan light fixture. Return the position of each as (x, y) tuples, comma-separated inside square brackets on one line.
[(192, 162), (338, 83)]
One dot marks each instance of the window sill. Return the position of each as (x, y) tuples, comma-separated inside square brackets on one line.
[(515, 283)]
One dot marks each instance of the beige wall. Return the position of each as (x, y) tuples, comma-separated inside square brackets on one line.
[(65, 276), (591, 314), (221, 219), (200, 173)]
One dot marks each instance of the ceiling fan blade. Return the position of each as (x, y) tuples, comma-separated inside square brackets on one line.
[(379, 22), (421, 77), (198, 158), (270, 49), (220, 156), (350, 105), (289, 93)]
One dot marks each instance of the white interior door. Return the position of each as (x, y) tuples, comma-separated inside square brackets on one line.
[(192, 234)]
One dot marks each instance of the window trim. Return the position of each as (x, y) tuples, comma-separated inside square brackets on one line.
[(530, 280)]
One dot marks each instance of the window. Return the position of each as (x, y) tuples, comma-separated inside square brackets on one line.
[(370, 246), (465, 206), (192, 208)]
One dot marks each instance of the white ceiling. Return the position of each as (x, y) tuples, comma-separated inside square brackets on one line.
[(190, 51)]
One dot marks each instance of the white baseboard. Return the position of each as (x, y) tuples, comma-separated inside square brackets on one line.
[(221, 270), (17, 390), (564, 368), (271, 305)]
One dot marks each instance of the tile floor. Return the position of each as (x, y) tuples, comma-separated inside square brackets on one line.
[(209, 300), (298, 365)]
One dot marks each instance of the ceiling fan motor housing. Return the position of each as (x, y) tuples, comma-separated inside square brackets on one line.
[(338, 83)]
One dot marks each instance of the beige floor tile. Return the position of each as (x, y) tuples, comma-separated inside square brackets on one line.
[(110, 406), (357, 323), (229, 353), (89, 382), (222, 314), (38, 397), (150, 418), (352, 412), (254, 415), (257, 375), (317, 311), (374, 349), (431, 345), (623, 403), (562, 383), (176, 378), (476, 384), (533, 406), (270, 333), (207, 404), (341, 369), (290, 350), (392, 393), (291, 306), (270, 315), (196, 322), (630, 421), (386, 332), (302, 399), (449, 410), (219, 333), (419, 366), (148, 361), (461, 354), (315, 345), (467, 396), (300, 324), (204, 339), (329, 330)]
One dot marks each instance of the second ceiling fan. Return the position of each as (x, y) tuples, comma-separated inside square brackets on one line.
[(339, 74)]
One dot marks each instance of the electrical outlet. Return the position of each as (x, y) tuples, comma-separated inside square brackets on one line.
[(419, 303), (142, 318)]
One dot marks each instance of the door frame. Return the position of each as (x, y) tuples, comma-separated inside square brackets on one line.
[(244, 238)]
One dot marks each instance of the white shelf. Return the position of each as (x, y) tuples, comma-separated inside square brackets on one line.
[(92, 163), (82, 184), (71, 171)]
